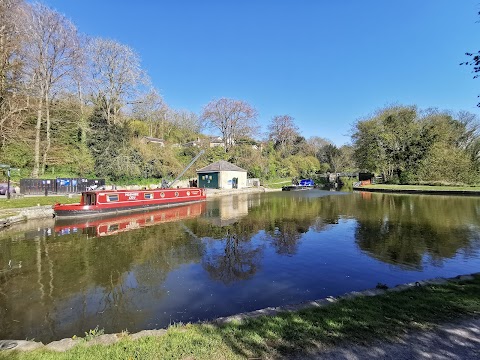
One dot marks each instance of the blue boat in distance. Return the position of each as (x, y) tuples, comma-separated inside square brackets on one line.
[(303, 184), (307, 182)]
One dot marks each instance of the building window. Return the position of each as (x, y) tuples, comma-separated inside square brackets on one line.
[(112, 197)]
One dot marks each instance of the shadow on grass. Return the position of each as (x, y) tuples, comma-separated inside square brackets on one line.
[(360, 320), (357, 321)]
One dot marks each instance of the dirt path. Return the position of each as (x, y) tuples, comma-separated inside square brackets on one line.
[(459, 340)]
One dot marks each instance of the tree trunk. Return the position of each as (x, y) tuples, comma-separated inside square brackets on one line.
[(36, 165), (83, 120), (47, 117)]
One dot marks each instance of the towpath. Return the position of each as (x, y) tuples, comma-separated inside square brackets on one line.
[(459, 340)]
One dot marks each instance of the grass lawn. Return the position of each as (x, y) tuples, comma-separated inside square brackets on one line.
[(277, 183), (422, 187), (36, 200), (358, 320)]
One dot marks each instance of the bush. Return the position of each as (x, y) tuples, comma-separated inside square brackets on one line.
[(346, 183)]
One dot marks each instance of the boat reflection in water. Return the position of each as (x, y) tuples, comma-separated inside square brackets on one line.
[(112, 225)]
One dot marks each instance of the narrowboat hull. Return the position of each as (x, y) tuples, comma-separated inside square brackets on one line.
[(108, 224), (296, 188), (95, 203)]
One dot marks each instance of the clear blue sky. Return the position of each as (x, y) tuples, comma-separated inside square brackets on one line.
[(326, 63)]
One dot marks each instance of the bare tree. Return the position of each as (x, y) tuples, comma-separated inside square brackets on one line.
[(152, 110), (283, 131), (81, 84), (233, 118), (185, 122), (316, 147), (51, 55), (13, 100), (116, 76)]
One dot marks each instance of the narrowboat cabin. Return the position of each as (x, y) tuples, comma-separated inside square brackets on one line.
[(93, 203)]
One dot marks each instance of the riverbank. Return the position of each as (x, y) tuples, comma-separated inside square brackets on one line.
[(357, 318), (14, 216), (420, 189), (18, 210)]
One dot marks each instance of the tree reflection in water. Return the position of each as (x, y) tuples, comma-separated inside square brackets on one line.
[(237, 258), (285, 237), (408, 230)]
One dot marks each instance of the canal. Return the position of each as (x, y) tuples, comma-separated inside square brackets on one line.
[(225, 256)]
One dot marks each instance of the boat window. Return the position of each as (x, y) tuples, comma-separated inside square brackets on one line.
[(148, 196), (176, 193), (113, 197), (113, 227), (89, 199)]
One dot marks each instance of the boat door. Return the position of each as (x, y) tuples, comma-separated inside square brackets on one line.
[(89, 198)]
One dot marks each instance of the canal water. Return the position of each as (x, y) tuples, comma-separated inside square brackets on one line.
[(225, 256)]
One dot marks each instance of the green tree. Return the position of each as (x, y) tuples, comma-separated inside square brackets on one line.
[(108, 143), (438, 146)]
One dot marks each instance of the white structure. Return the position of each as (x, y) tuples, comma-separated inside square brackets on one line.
[(222, 175)]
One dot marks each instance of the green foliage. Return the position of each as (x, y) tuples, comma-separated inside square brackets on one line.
[(17, 154), (93, 333), (109, 144), (346, 183), (139, 128), (407, 147)]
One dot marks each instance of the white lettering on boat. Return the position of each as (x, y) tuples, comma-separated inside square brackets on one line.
[(131, 195)]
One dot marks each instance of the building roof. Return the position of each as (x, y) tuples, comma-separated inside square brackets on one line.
[(221, 165)]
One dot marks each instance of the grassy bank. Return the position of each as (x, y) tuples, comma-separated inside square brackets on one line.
[(37, 200), (425, 188), (358, 320), (277, 183)]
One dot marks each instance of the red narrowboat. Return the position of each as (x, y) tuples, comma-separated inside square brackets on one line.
[(121, 223), (99, 202)]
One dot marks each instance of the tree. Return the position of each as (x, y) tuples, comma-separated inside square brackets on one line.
[(51, 55), (283, 131), (475, 63), (107, 143), (233, 118), (116, 76), (332, 155), (407, 147), (315, 147), (181, 125), (386, 142), (153, 111), (13, 98)]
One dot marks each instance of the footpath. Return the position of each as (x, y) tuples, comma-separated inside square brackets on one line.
[(459, 340)]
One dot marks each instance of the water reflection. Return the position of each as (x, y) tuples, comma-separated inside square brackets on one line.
[(224, 256), (234, 258), (409, 230), (113, 224)]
